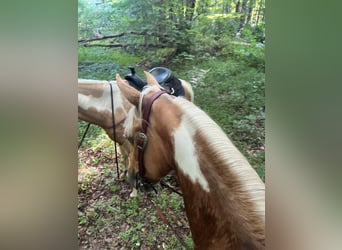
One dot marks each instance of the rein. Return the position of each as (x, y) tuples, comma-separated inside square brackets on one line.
[(84, 134), (163, 218), (114, 133)]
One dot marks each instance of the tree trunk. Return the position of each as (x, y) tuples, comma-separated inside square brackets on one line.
[(260, 13), (249, 11), (189, 12), (161, 16), (225, 7), (237, 6), (243, 15)]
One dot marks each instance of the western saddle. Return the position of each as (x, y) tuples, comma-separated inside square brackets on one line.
[(164, 77)]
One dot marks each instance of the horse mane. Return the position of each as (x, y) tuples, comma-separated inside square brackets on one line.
[(129, 122), (188, 87), (224, 151)]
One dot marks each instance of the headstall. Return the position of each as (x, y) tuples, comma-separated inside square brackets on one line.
[(141, 136)]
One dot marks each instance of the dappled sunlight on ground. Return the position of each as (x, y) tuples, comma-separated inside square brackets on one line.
[(109, 219)]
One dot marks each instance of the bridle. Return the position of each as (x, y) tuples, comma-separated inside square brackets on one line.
[(141, 138), (141, 142)]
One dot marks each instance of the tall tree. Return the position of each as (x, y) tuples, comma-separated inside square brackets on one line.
[(189, 12), (243, 11), (250, 8), (225, 7), (260, 12), (237, 6)]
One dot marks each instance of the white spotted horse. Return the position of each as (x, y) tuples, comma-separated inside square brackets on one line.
[(95, 99), (223, 195)]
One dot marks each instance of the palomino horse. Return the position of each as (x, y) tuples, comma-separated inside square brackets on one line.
[(95, 106), (223, 195)]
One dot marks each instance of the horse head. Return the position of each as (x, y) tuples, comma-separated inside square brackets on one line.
[(158, 152)]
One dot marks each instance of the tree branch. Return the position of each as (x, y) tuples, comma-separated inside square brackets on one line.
[(109, 45), (100, 38), (113, 45), (143, 33)]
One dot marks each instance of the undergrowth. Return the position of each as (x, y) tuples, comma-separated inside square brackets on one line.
[(103, 63), (232, 93)]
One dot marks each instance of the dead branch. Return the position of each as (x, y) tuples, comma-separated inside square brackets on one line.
[(113, 45), (100, 37), (109, 45), (143, 33)]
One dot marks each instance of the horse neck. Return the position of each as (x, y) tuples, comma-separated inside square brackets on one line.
[(223, 195), (95, 106)]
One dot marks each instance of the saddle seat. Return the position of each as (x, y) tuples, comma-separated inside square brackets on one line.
[(164, 77)]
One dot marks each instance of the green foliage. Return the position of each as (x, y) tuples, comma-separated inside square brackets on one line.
[(95, 138), (94, 18), (132, 207), (82, 218), (174, 24), (253, 55), (102, 63), (92, 54), (213, 34), (218, 25), (232, 93), (254, 33)]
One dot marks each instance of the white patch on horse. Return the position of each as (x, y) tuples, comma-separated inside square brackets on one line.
[(102, 103), (185, 154)]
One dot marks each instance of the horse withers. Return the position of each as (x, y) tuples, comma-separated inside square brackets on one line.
[(223, 195)]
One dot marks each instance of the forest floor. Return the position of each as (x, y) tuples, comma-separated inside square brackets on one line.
[(110, 219)]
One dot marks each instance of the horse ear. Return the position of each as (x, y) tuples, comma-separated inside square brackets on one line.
[(151, 80), (129, 92)]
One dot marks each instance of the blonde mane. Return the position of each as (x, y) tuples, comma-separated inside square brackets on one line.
[(226, 152), (129, 122), (147, 89)]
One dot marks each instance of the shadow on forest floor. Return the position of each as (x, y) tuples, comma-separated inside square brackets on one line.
[(110, 219)]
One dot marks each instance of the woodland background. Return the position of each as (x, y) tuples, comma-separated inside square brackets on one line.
[(217, 46)]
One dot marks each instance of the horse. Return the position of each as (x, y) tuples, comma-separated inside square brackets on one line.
[(95, 106), (223, 195)]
